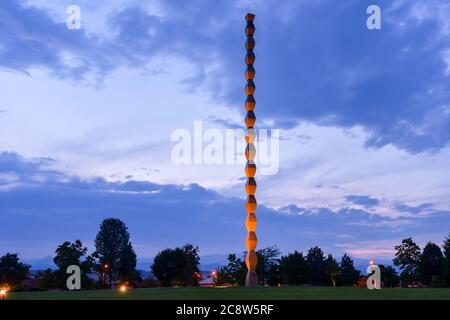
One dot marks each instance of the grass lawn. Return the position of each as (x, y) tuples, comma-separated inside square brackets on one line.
[(290, 293)]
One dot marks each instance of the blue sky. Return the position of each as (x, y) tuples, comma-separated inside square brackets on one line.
[(86, 118)]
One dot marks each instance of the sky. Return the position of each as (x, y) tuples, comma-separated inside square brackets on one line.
[(87, 118)]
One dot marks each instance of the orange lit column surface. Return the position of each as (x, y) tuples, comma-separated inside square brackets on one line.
[(250, 152)]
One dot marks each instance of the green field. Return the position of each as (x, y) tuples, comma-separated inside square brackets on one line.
[(243, 293)]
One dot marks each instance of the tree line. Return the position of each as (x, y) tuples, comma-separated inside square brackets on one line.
[(114, 262), (313, 268), (430, 266)]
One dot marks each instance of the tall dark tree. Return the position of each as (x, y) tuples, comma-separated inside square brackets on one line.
[(389, 276), (193, 254), (47, 279), (348, 275), (127, 268), (332, 269), (273, 277), (222, 276), (114, 253), (72, 254), (234, 272), (316, 262), (446, 267), (267, 267), (12, 271), (294, 269), (177, 266), (431, 263), (69, 254), (407, 257)]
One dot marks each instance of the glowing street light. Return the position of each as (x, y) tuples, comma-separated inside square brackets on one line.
[(3, 293), (123, 288)]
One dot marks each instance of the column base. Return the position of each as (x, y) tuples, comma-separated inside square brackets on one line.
[(251, 279)]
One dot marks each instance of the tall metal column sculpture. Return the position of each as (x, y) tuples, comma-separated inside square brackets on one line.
[(250, 152)]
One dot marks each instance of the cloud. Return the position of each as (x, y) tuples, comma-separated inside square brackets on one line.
[(292, 209), (365, 201), (393, 82), (228, 123), (31, 38), (28, 171), (422, 208), (333, 73)]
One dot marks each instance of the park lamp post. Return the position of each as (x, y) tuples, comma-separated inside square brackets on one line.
[(105, 267)]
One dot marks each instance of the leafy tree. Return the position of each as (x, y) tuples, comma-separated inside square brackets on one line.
[(294, 269), (47, 280), (348, 274), (114, 252), (407, 257), (177, 266), (267, 267), (431, 263), (332, 269), (274, 275), (12, 271), (446, 267), (316, 262), (71, 254), (127, 268), (222, 277), (389, 276), (234, 272), (172, 267), (193, 254)]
